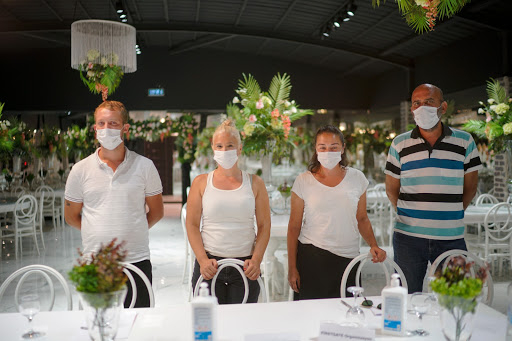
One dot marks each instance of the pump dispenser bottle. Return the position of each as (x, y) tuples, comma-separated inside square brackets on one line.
[(394, 307), (204, 315)]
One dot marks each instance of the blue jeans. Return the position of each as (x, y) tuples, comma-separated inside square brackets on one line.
[(412, 254), (229, 287)]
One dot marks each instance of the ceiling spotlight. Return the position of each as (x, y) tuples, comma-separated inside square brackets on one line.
[(337, 22), (122, 16), (138, 52), (124, 20), (351, 9), (119, 7), (346, 17), (120, 10), (326, 32)]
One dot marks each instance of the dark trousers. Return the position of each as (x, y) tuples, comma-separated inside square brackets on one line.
[(412, 255), (320, 273), (229, 287), (142, 300)]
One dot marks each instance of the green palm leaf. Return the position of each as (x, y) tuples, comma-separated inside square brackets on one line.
[(300, 113), (1, 108), (448, 8), (476, 127), (496, 91), (279, 90), (251, 85)]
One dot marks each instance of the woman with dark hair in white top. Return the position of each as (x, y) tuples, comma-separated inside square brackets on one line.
[(226, 201), (328, 213)]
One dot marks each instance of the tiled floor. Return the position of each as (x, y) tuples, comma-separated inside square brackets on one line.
[(167, 256)]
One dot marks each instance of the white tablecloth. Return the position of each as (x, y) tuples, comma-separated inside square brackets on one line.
[(236, 321)]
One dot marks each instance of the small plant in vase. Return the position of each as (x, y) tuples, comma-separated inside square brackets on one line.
[(30, 178), (457, 291), (286, 192), (100, 281)]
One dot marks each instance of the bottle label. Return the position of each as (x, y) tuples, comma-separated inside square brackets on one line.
[(202, 324), (392, 314)]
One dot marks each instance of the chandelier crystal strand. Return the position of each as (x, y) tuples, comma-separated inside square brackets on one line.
[(103, 42)]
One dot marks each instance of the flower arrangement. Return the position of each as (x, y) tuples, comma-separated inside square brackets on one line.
[(285, 190), (102, 75), (422, 15), (497, 127), (13, 138), (103, 272), (80, 141), (457, 291), (264, 116), (47, 141)]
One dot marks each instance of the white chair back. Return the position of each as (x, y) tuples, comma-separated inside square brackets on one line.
[(45, 272), (445, 257), (235, 263), (486, 199), (49, 196), (25, 210), (142, 275), (362, 259), (496, 228), (18, 191)]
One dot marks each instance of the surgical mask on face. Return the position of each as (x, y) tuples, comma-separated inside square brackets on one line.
[(225, 159), (109, 138), (329, 159), (426, 117)]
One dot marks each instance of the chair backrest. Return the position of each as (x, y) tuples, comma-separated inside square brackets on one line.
[(18, 191), (142, 275), (486, 198), (362, 259), (49, 195), (446, 256), (184, 220), (44, 271), (235, 263), (25, 209), (498, 223)]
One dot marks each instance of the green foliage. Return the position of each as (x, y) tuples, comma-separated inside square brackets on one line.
[(103, 272), (475, 127), (1, 108), (101, 77), (250, 84), (421, 15), (495, 91), (279, 91)]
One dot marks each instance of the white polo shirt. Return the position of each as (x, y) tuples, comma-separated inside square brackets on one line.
[(114, 203)]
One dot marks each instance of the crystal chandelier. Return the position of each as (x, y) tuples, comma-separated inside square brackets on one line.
[(103, 42)]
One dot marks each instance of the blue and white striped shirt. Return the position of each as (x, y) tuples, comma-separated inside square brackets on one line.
[(432, 182)]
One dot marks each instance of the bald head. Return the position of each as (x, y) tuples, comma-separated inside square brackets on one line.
[(432, 89)]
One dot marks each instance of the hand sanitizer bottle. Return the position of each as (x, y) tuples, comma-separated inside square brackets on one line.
[(394, 307), (204, 314)]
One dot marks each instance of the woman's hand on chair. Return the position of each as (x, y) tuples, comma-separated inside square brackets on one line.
[(378, 255), (294, 279), (252, 269), (208, 268)]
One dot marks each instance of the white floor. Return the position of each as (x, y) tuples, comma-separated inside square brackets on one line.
[(167, 256)]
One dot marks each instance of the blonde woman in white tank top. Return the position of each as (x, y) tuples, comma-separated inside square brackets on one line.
[(227, 201)]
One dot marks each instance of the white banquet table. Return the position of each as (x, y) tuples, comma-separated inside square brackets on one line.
[(236, 321)]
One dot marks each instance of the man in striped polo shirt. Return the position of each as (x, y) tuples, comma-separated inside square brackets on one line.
[(431, 177)]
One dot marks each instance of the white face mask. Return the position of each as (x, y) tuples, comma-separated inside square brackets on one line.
[(329, 160), (225, 159), (109, 138), (426, 117)]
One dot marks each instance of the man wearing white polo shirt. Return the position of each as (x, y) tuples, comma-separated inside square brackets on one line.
[(107, 194), (431, 177)]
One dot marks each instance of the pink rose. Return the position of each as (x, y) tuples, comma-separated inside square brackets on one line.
[(252, 118), (90, 65), (488, 117), (259, 104)]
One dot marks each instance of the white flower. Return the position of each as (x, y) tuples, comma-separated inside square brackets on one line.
[(493, 107), (294, 110), (236, 100), (242, 91), (103, 61), (422, 3), (501, 108), (481, 103), (490, 101), (92, 54), (7, 123), (480, 111), (244, 102), (286, 104)]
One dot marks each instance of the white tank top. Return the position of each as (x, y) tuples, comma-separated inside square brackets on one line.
[(228, 219)]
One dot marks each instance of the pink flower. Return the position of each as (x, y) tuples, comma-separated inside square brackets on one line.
[(252, 118), (275, 113), (488, 117), (90, 65), (259, 104)]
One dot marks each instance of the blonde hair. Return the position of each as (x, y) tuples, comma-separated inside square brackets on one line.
[(228, 126), (113, 106)]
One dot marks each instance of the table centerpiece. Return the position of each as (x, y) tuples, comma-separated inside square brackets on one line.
[(457, 293), (100, 282)]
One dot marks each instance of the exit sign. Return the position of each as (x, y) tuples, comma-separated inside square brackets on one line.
[(156, 92)]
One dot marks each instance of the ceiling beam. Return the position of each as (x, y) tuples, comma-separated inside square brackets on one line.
[(262, 46), (166, 11), (224, 30), (137, 12), (327, 56), (5, 9), (200, 42), (82, 8), (237, 21), (477, 23), (198, 8), (373, 26), (283, 17), (52, 10), (35, 36)]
